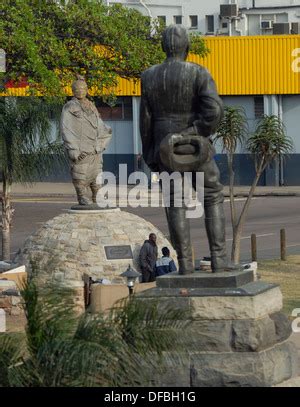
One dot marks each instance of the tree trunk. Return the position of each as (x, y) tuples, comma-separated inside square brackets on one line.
[(231, 194), (7, 212), (231, 188), (236, 244)]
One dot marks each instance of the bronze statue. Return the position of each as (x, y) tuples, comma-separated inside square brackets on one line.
[(180, 110), (85, 138)]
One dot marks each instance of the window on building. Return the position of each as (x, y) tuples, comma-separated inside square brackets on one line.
[(194, 21), (122, 110), (177, 19), (259, 110), (210, 24), (162, 20), (224, 25)]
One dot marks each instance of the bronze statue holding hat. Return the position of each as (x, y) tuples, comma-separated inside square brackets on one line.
[(180, 110)]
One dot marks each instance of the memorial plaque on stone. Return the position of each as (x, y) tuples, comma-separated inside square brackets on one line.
[(118, 252)]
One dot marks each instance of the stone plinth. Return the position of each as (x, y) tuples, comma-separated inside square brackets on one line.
[(206, 280), (73, 244), (10, 299), (2, 321), (237, 337), (105, 297), (6, 285)]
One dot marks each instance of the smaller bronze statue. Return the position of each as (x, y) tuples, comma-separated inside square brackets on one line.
[(85, 138)]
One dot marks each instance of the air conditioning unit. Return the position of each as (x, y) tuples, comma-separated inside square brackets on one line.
[(295, 28), (281, 28), (229, 10), (266, 24)]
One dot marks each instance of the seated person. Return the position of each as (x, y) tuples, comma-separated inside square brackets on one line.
[(165, 264)]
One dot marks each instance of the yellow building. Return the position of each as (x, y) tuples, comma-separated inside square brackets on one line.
[(261, 73)]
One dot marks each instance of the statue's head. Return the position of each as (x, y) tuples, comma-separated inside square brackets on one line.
[(79, 87), (175, 41)]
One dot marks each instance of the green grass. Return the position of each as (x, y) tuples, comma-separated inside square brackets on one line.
[(287, 275)]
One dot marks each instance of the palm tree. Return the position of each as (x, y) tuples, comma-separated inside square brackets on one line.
[(26, 149), (268, 143), (232, 131), (125, 347)]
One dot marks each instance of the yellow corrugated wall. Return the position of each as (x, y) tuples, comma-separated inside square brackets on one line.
[(254, 65)]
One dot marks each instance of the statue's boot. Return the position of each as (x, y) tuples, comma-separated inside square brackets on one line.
[(179, 230), (94, 188), (215, 229), (80, 189)]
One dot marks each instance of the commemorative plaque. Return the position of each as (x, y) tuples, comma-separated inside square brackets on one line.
[(118, 252)]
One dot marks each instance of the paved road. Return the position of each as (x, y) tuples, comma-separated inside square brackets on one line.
[(267, 216)]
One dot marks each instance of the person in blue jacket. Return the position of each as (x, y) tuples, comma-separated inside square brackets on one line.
[(165, 264)]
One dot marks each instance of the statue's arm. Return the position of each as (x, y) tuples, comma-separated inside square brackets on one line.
[(145, 124), (211, 106), (104, 134), (70, 140), (146, 131)]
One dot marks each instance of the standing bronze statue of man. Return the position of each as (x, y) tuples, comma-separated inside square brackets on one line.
[(180, 110), (85, 138)]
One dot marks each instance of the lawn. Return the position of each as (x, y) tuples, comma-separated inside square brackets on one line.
[(287, 275)]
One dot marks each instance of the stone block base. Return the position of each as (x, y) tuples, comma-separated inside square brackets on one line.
[(295, 382), (237, 336), (11, 304), (244, 369)]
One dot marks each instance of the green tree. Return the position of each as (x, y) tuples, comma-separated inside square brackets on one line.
[(49, 42), (125, 347), (27, 150)]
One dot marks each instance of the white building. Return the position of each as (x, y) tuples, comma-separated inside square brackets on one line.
[(224, 17)]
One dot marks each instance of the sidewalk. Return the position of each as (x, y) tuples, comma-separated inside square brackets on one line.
[(52, 189)]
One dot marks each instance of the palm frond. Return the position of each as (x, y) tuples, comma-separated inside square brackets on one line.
[(233, 128), (270, 139), (12, 348), (125, 347), (28, 137), (148, 327)]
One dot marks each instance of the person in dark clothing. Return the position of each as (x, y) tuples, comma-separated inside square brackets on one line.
[(165, 264), (148, 257)]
